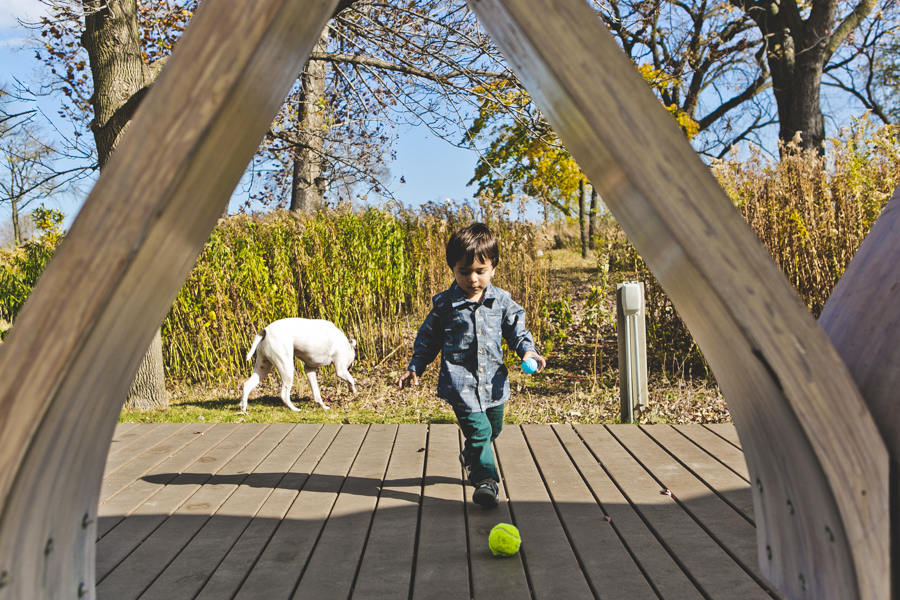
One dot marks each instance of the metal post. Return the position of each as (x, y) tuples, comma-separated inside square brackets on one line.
[(632, 349)]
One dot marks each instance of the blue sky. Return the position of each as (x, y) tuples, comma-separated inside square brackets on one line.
[(433, 169)]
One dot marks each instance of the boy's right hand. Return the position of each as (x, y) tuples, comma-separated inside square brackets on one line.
[(406, 375)]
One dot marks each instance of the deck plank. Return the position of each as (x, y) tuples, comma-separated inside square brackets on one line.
[(113, 510), (140, 445), (707, 565), (131, 533), (383, 511), (663, 574), (502, 578), (141, 568), (726, 431), (725, 452), (548, 556), (386, 569), (187, 574), (334, 562), (442, 565), (284, 560), (243, 555), (610, 570), (731, 487), (701, 485)]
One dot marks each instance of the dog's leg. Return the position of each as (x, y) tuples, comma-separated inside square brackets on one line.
[(284, 363), (346, 376), (260, 371), (314, 384)]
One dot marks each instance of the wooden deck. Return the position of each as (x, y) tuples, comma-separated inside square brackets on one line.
[(353, 511)]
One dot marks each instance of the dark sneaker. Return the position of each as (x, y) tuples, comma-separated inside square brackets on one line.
[(486, 494)]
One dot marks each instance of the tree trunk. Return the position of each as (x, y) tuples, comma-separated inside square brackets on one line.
[(592, 231), (121, 79), (120, 75), (308, 185), (17, 231), (796, 82), (146, 392), (582, 218), (796, 51)]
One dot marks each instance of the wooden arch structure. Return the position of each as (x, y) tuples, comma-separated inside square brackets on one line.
[(813, 403)]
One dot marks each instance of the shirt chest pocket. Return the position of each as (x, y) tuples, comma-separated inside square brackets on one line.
[(488, 324)]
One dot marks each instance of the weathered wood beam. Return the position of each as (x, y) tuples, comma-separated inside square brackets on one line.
[(819, 467), (67, 364), (862, 319)]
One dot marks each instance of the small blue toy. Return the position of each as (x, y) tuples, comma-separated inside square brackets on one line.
[(529, 366)]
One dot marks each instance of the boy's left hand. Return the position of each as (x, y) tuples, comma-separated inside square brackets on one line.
[(540, 359)]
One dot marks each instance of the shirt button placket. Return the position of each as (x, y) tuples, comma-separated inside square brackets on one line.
[(479, 328)]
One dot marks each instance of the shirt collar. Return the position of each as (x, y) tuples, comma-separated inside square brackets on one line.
[(458, 298)]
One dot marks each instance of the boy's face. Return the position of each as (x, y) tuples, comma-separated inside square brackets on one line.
[(473, 279)]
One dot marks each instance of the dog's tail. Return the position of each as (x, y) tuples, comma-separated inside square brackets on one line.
[(259, 337)]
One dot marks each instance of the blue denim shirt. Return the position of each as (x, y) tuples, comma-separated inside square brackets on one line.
[(473, 377)]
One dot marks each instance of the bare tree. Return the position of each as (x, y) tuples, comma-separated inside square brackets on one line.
[(719, 59), (388, 65), (28, 174)]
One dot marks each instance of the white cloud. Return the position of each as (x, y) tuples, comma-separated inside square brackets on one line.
[(13, 10)]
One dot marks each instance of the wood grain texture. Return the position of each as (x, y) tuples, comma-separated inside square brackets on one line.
[(862, 319), (66, 367), (821, 500)]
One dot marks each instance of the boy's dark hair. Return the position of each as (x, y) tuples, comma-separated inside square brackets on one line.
[(475, 241)]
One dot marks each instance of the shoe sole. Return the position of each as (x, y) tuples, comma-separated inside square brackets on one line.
[(485, 499)]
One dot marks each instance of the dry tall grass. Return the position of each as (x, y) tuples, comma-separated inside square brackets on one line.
[(813, 212), (372, 273)]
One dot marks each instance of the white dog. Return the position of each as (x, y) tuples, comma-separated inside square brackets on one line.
[(315, 342)]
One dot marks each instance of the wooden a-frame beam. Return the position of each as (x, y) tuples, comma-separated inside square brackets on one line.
[(66, 366), (819, 468)]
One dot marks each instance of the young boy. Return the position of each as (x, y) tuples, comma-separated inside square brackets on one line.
[(465, 325)]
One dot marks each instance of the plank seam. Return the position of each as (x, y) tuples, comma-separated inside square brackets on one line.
[(415, 558), (164, 521), (315, 545), (618, 533), (560, 518), (262, 550), (713, 456), (460, 442), (700, 477), (759, 580), (659, 538), (199, 529), (723, 438), (362, 553)]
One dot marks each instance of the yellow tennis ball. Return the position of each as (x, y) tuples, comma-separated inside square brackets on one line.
[(504, 540)]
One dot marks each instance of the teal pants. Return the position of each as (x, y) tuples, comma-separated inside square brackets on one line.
[(480, 429)]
